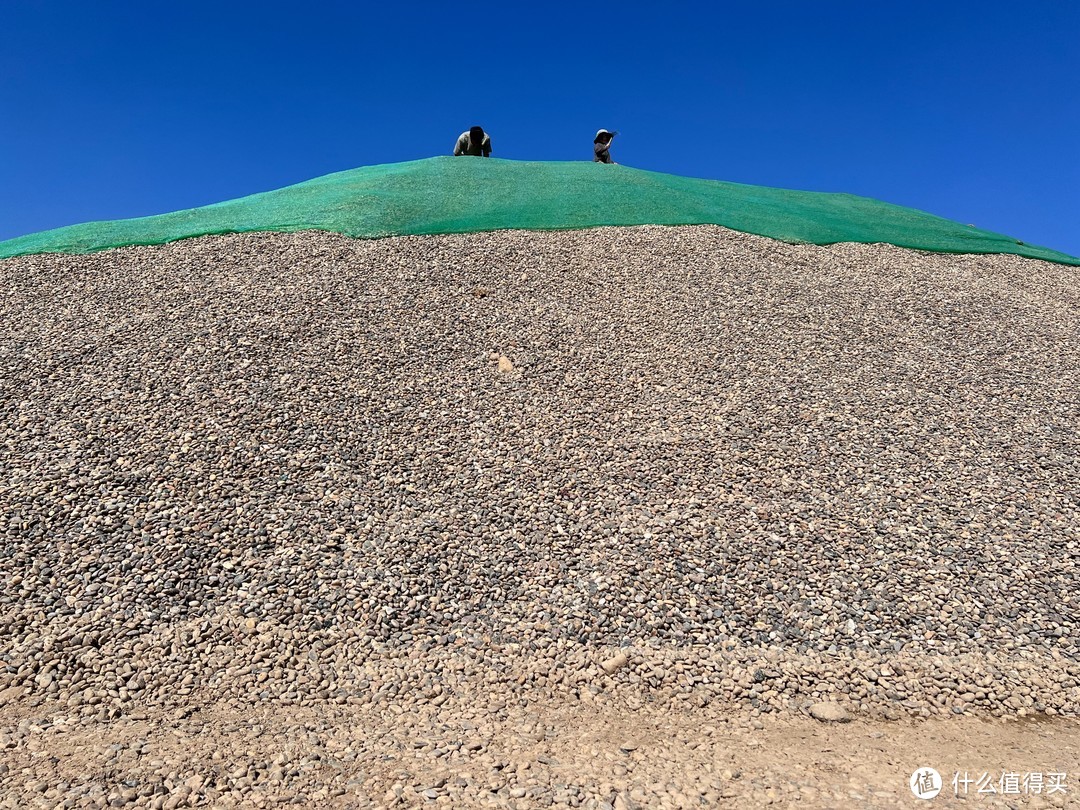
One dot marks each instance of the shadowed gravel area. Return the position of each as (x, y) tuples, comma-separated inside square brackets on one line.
[(287, 469)]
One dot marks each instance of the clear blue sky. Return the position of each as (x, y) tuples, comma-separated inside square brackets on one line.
[(969, 110)]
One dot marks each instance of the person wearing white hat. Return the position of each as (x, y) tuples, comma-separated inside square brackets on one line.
[(602, 146)]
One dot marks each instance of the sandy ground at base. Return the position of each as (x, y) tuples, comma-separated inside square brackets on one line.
[(359, 757)]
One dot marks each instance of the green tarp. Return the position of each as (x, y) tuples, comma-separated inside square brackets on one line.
[(462, 195)]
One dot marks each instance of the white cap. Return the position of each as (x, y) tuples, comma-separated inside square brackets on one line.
[(600, 132)]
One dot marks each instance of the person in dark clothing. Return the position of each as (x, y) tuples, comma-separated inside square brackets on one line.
[(602, 146), (475, 142)]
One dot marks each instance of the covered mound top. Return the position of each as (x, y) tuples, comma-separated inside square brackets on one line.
[(448, 195)]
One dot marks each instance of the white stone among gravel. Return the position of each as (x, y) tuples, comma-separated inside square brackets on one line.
[(829, 712)]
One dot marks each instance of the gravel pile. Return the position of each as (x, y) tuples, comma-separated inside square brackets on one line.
[(304, 469)]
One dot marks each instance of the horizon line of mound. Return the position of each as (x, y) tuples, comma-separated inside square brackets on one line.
[(446, 195)]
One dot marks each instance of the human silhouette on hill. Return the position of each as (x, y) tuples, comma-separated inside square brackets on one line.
[(602, 146), (475, 142)]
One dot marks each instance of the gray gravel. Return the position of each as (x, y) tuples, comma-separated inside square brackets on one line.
[(300, 468)]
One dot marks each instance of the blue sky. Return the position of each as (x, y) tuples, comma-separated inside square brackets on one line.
[(969, 110)]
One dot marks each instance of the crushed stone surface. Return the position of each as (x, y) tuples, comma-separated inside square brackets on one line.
[(500, 476)]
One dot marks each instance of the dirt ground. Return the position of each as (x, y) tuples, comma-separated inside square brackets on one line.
[(576, 756)]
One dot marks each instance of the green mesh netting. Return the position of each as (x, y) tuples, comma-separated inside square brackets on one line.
[(460, 195)]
